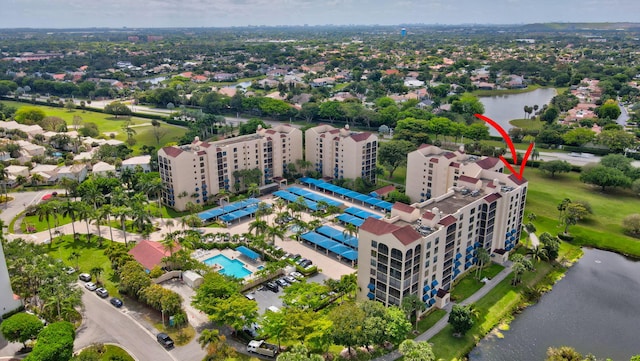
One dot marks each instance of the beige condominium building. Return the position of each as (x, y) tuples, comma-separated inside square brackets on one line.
[(462, 203), (342, 153), (198, 171)]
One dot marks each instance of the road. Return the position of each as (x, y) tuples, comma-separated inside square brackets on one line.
[(104, 323)]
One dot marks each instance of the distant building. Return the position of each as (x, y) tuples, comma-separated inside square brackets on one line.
[(421, 249), (8, 300), (342, 153), (201, 169), (144, 161), (403, 32)]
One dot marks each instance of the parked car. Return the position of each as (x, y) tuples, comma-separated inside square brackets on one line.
[(90, 286), (165, 340), (272, 286), (305, 263), (296, 275), (282, 282), (301, 260), (250, 296), (69, 270), (116, 302), (85, 277), (290, 279), (102, 292)]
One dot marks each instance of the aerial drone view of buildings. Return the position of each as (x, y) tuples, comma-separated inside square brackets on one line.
[(425, 192)]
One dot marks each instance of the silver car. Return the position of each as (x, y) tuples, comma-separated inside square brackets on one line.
[(90, 286)]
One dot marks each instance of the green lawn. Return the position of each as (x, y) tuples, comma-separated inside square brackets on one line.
[(602, 229), (469, 284), (107, 123), (527, 124), (426, 322), (497, 306), (40, 226), (109, 352), (90, 256)]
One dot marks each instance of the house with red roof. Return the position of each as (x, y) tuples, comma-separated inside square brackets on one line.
[(150, 254)]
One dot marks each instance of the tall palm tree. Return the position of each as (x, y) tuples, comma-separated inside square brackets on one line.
[(169, 223), (85, 212), (122, 213), (44, 212), (483, 258), (350, 230), (259, 226), (412, 306), (538, 253), (96, 271), (253, 189), (314, 224), (263, 210), (74, 255), (105, 213), (69, 209), (211, 340), (169, 244), (274, 232), (97, 216), (517, 269)]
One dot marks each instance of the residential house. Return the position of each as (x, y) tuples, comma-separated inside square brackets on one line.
[(143, 161), (76, 172), (151, 254), (103, 169)]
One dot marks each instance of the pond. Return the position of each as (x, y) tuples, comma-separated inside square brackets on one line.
[(594, 309), (503, 108)]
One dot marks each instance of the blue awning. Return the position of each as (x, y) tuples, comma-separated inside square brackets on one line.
[(371, 296), (431, 302), (434, 283), (426, 288), (371, 286), (247, 252), (351, 255)]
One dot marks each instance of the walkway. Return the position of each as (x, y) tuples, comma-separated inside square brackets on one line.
[(442, 323)]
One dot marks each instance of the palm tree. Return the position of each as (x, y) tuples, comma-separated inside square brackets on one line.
[(518, 269), (4, 175), (259, 226), (105, 212), (154, 187), (350, 230), (169, 243), (274, 232), (211, 340), (74, 255), (314, 224), (98, 217), (122, 213), (263, 210), (538, 253), (169, 223), (69, 210), (253, 190), (412, 306), (531, 216), (348, 284), (96, 271), (85, 212), (44, 211), (483, 258)]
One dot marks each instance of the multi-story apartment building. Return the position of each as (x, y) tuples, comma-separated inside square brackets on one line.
[(421, 249), (198, 171), (342, 153), (431, 171), (8, 301)]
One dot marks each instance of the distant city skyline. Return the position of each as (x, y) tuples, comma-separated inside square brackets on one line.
[(224, 13)]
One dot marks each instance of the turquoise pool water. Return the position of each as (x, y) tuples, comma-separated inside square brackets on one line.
[(230, 267)]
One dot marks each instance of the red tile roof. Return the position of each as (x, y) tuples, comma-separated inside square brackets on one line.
[(455, 165), (487, 163), (406, 235), (449, 155), (172, 151), (433, 160), (517, 181), (465, 178), (385, 190), (448, 220), (359, 137), (150, 254), (492, 197), (428, 215), (377, 226), (423, 146), (403, 207)]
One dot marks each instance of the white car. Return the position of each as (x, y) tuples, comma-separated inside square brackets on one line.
[(90, 286)]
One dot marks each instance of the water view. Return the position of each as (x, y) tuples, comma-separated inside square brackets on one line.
[(594, 309), (503, 108)]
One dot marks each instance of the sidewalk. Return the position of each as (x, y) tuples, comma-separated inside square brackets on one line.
[(442, 323)]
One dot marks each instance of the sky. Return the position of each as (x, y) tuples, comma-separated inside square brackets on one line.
[(224, 13)]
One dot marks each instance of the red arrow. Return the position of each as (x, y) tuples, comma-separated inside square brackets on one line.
[(509, 142)]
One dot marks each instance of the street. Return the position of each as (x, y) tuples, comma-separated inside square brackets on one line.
[(102, 322)]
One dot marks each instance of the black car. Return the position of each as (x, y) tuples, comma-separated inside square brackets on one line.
[(272, 286), (116, 302), (164, 340)]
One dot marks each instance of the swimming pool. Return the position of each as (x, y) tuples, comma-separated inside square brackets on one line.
[(230, 267)]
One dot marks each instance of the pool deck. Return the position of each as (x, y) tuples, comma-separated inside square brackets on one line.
[(202, 255)]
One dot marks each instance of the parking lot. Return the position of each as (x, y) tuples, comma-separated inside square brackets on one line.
[(267, 298)]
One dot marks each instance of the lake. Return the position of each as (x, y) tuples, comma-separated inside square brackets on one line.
[(594, 309), (503, 108)]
